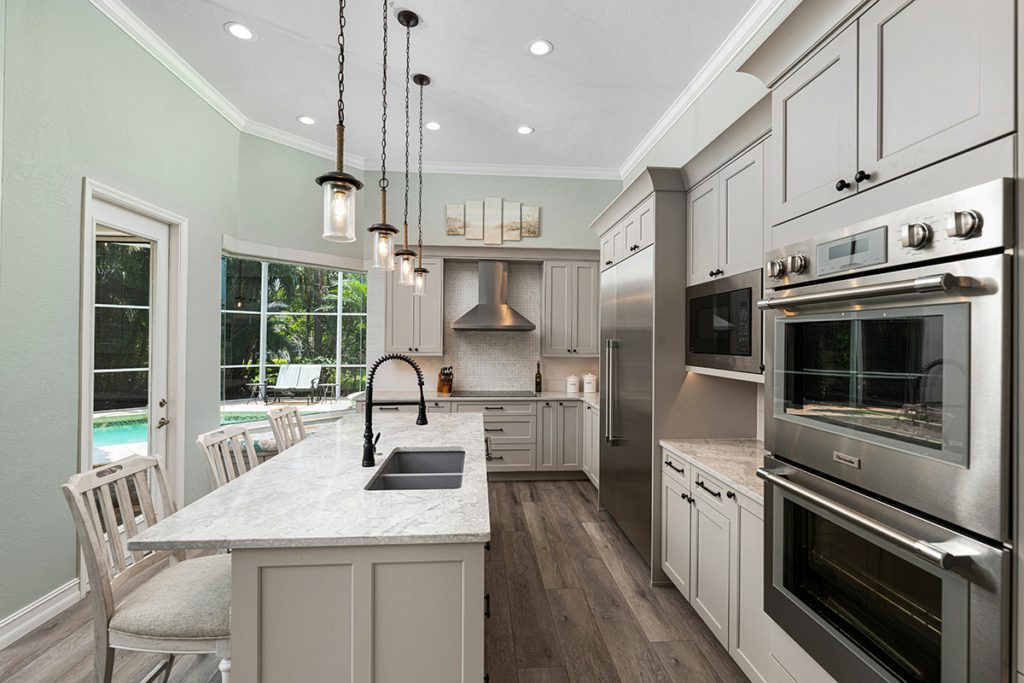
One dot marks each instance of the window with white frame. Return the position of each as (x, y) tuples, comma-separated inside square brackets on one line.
[(273, 314)]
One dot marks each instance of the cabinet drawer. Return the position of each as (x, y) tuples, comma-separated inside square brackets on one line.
[(439, 406), (510, 430), (496, 407), (711, 489), (513, 457), (432, 407), (677, 468)]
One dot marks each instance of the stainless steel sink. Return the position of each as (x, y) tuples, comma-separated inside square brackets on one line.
[(420, 469)]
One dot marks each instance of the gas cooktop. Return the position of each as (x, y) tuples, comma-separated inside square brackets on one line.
[(493, 394)]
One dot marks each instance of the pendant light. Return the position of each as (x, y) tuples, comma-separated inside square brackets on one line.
[(340, 188), (383, 232), (406, 256), (420, 280)]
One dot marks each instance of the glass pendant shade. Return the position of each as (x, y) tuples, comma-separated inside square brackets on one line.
[(406, 266), (339, 211), (420, 282), (383, 248)]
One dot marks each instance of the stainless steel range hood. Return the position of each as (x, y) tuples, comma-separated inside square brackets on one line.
[(493, 311)]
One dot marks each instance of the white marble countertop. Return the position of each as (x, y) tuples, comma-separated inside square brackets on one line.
[(735, 461), (590, 398), (313, 494)]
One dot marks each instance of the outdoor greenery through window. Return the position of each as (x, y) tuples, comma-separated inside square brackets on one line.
[(275, 315)]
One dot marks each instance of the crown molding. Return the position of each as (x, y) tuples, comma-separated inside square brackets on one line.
[(137, 30), (752, 22), (578, 172), (288, 139)]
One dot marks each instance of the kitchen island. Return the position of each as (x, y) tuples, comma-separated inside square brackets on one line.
[(331, 581)]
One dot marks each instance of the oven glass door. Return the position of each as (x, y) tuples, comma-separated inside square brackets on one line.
[(896, 377), (721, 323)]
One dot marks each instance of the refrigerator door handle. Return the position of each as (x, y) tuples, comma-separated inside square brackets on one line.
[(609, 373)]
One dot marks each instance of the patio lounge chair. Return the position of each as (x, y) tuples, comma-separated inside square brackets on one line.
[(295, 380)]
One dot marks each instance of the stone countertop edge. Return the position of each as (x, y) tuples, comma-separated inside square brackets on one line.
[(734, 461), (592, 399), (313, 495)]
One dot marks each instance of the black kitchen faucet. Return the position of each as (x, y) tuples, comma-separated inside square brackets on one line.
[(369, 442)]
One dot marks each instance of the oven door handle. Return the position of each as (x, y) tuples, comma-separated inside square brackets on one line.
[(942, 282), (922, 549)]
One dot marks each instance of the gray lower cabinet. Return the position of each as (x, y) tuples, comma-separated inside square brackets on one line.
[(569, 325), (512, 428), (561, 436), (415, 324), (676, 512), (432, 407), (592, 443), (710, 531), (906, 84)]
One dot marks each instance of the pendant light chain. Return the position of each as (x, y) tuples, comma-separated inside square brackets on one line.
[(341, 63), (408, 77), (419, 187), (383, 183)]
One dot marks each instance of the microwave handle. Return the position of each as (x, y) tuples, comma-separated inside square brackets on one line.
[(943, 282), (922, 549)]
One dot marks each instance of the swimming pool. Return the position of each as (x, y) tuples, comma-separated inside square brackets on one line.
[(125, 429)]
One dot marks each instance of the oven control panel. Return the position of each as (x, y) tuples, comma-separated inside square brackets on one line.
[(960, 224)]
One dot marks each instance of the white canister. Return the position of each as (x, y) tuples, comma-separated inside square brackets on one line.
[(572, 384), (589, 383)]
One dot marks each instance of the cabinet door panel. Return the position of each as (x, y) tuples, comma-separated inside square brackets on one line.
[(709, 568), (702, 231), (557, 332), (639, 227), (583, 300), (430, 311), (742, 213), (675, 534), (400, 323), (588, 441), (513, 458), (570, 442), (549, 441), (814, 130), (748, 643), (936, 78)]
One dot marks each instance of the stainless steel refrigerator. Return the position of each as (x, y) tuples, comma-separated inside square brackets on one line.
[(627, 348)]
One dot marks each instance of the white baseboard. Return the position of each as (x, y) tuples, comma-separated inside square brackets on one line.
[(32, 616)]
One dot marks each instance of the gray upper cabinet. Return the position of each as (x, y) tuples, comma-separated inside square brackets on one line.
[(907, 84), (741, 235), (814, 126), (613, 246), (569, 325), (415, 324), (702, 238), (639, 227), (936, 78)]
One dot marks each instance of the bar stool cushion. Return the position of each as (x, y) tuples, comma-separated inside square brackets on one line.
[(190, 599)]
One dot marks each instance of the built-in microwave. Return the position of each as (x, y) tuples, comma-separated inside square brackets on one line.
[(723, 324)]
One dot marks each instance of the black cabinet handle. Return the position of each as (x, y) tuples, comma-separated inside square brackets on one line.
[(494, 429), (841, 184), (487, 546), (417, 348), (730, 494), (607, 263), (487, 605), (680, 470), (861, 176), (387, 407), (716, 494), (711, 273), (685, 497), (494, 407), (491, 457)]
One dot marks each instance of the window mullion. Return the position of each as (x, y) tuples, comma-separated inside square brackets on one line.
[(264, 302)]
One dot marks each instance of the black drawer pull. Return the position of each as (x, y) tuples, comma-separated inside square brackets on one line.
[(685, 497), (387, 407), (494, 407), (494, 457), (680, 470), (730, 494), (494, 429), (487, 605), (716, 494)]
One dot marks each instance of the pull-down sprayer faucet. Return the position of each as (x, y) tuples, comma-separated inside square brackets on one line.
[(369, 442)]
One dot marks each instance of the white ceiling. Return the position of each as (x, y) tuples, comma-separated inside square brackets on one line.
[(615, 70)]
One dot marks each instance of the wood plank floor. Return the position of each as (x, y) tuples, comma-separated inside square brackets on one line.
[(570, 602)]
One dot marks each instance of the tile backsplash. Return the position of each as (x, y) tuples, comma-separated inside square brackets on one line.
[(489, 360)]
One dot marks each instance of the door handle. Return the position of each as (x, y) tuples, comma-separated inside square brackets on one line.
[(609, 362), (942, 282), (162, 422)]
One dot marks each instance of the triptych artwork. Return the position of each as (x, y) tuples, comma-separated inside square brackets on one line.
[(493, 220)]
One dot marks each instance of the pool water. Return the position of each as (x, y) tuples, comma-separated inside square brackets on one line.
[(117, 431)]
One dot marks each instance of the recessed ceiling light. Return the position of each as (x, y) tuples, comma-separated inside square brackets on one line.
[(524, 130), (240, 31), (305, 120), (541, 47), (433, 125)]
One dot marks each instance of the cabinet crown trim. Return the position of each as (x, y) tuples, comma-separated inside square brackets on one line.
[(652, 179)]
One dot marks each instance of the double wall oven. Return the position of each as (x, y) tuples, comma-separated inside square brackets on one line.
[(887, 417)]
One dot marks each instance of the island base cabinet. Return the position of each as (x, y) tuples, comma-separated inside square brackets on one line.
[(386, 614)]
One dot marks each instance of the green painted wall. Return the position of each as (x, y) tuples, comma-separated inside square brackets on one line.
[(567, 206), (81, 99)]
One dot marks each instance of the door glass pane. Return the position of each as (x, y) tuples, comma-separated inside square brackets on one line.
[(721, 323), (885, 604), (900, 374), (121, 342)]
